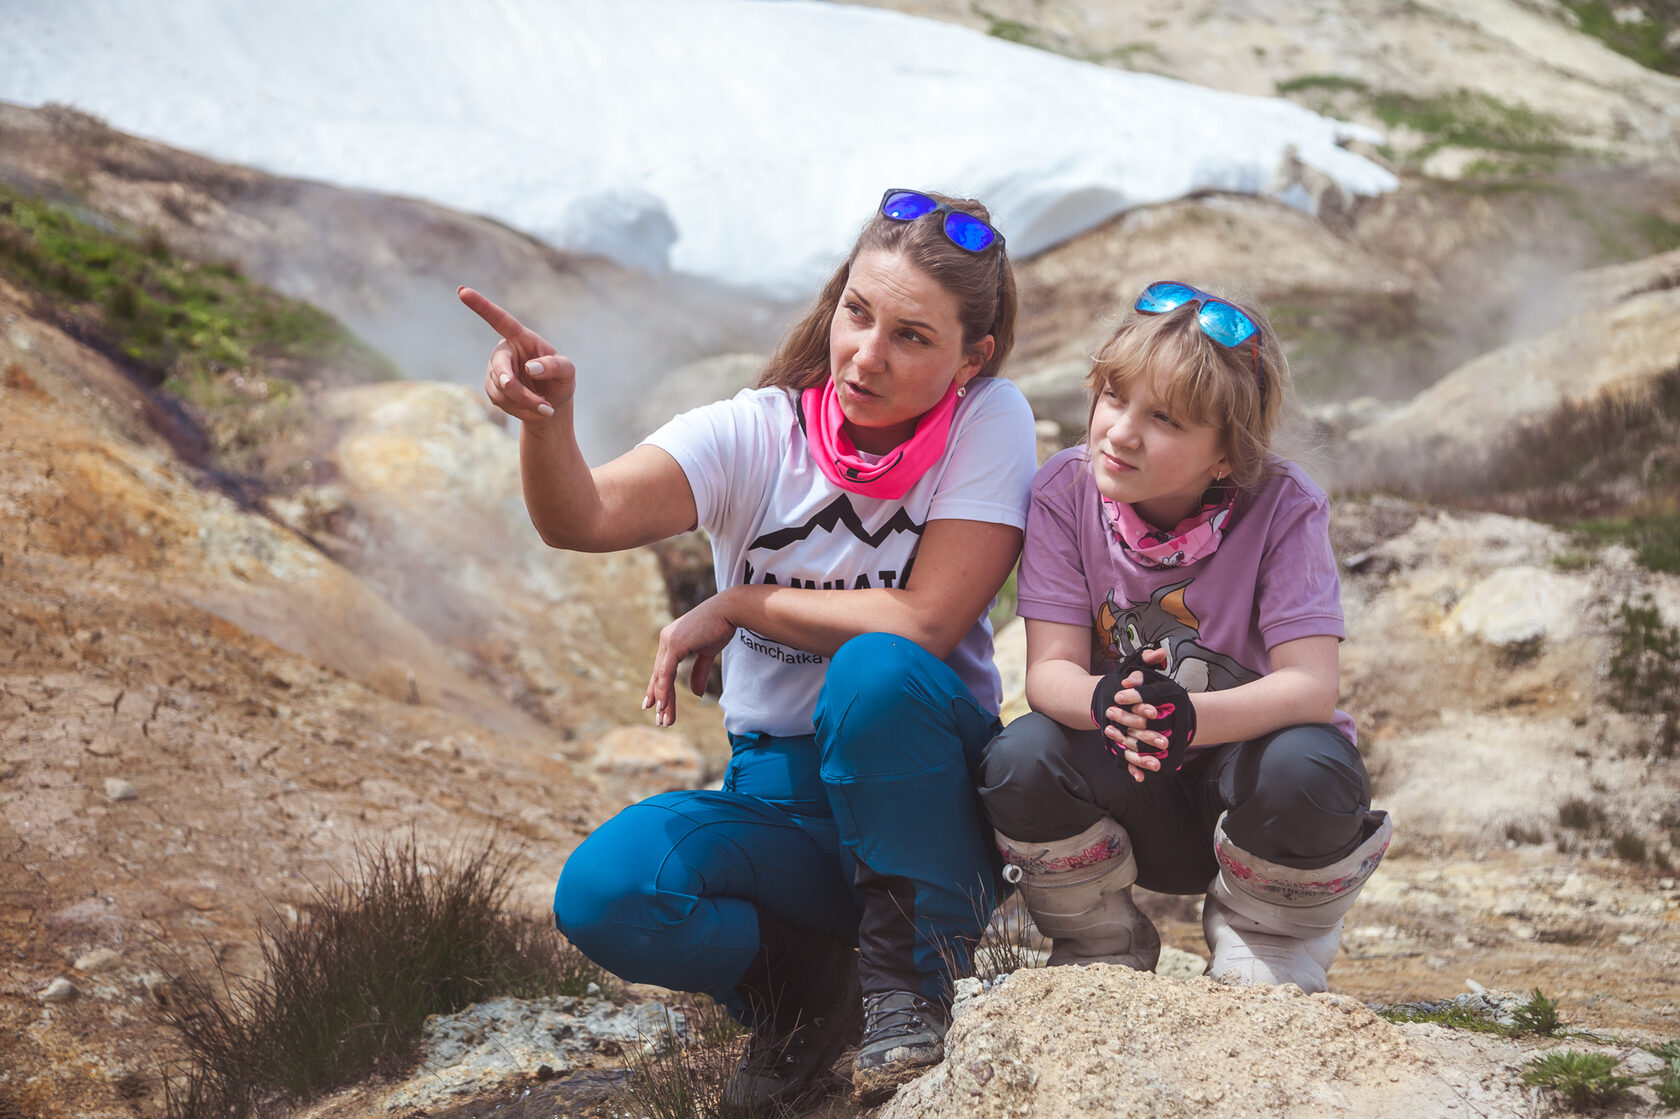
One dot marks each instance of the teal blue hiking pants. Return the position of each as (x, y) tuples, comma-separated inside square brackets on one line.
[(869, 829)]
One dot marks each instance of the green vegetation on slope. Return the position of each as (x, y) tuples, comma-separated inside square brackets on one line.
[(1644, 39), (177, 320), (239, 355), (1519, 141)]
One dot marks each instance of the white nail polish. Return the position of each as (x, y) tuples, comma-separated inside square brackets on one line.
[(507, 379), (533, 367), (545, 408)]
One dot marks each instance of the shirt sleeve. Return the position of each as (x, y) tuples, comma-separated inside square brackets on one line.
[(1051, 586), (1299, 591), (988, 473), (722, 448)]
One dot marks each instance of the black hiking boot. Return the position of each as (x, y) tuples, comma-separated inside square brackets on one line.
[(903, 1037), (803, 992)]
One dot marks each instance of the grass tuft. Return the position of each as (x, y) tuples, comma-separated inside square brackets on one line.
[(1668, 1082), (1645, 660), (1537, 1016), (1585, 1079), (347, 987), (680, 1074), (1630, 848), (1579, 814), (1008, 944)]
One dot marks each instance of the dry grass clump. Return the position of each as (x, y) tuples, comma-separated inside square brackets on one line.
[(348, 986), (681, 1074)]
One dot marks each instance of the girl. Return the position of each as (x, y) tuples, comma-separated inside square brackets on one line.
[(865, 504), (1183, 614)]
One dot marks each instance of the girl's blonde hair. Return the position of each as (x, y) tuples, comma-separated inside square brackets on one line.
[(983, 284), (1202, 382)]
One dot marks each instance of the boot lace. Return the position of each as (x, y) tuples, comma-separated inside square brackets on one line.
[(903, 1019)]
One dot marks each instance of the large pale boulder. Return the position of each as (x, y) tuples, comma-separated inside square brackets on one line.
[(1522, 606), (1060, 1043)]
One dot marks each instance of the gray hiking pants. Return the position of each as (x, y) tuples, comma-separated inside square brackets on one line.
[(1299, 797)]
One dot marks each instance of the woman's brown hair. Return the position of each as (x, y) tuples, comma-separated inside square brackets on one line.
[(1203, 382), (982, 283)]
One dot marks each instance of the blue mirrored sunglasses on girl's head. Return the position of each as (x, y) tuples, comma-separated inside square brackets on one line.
[(964, 230), (1218, 319)]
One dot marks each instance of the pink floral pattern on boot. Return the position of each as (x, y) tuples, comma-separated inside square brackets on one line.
[(1292, 890)]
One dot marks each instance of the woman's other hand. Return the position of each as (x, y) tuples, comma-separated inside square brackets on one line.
[(526, 377), (703, 631)]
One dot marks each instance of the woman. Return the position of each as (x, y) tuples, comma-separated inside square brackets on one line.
[(865, 503)]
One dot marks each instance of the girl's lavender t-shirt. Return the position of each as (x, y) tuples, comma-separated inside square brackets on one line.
[(1272, 580)]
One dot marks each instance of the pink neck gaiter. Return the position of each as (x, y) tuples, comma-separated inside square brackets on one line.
[(899, 469), (1195, 537)]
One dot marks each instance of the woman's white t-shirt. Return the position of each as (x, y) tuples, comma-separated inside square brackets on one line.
[(773, 517)]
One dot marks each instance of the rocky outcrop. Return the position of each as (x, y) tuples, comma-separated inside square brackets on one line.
[(1059, 1043), (1614, 338)]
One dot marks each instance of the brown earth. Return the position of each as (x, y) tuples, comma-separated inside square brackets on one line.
[(268, 700)]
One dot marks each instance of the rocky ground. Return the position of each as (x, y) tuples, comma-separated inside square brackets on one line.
[(209, 696)]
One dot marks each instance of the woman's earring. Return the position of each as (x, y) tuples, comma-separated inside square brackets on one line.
[(962, 390)]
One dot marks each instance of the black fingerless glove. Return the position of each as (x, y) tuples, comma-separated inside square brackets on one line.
[(1177, 719)]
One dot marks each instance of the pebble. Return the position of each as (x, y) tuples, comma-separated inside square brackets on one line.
[(98, 960), (1177, 964), (118, 789), (59, 990)]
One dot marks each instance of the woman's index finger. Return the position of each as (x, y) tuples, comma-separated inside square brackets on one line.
[(499, 320)]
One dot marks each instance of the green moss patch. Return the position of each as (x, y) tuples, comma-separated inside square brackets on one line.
[(1644, 40), (241, 357), (175, 320)]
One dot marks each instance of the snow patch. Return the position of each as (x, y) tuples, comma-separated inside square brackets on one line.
[(736, 139)]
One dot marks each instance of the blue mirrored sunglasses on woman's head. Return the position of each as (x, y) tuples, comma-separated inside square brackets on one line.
[(1219, 320), (964, 230)]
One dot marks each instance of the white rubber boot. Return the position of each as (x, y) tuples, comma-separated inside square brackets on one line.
[(1079, 892), (1271, 924)]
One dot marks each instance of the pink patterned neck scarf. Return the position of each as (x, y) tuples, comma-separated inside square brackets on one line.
[(1196, 537), (897, 470)]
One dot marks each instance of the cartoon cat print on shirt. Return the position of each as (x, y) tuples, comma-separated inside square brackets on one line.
[(1167, 621)]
